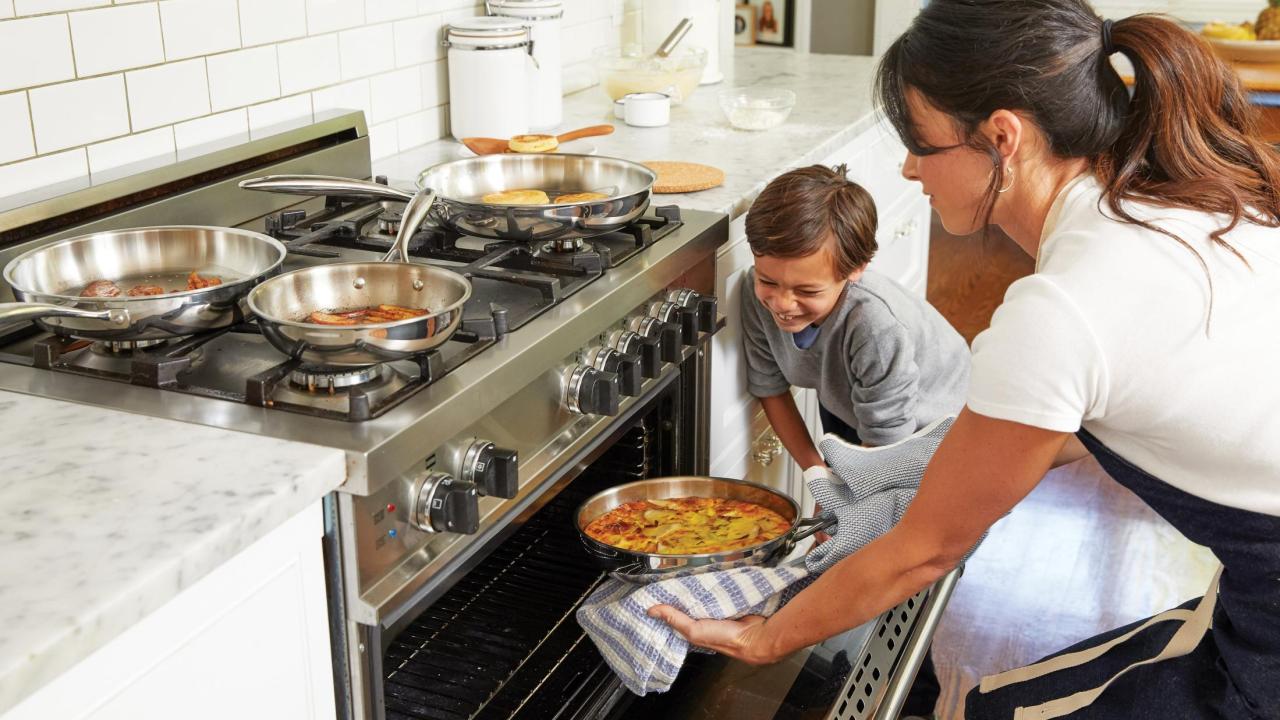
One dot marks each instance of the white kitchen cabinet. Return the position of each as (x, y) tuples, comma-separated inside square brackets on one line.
[(874, 160), (248, 640)]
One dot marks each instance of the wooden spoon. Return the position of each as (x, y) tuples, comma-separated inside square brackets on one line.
[(493, 146)]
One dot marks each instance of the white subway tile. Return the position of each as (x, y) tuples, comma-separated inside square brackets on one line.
[(270, 118), (243, 77), (309, 63), (39, 172), (167, 93), (132, 153), (37, 7), (366, 50), (35, 51), (116, 38), (577, 12), (15, 118), (199, 27), (267, 21), (395, 94), (328, 15), (376, 11), (348, 96), (79, 112), (418, 41), (383, 140), (6, 8), (435, 83), (421, 128), (213, 132)]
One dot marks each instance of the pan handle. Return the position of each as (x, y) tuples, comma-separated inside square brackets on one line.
[(325, 185), (811, 526), (22, 312), (414, 213)]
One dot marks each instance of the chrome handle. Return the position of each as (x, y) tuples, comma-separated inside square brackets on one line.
[(325, 185), (674, 38), (767, 450), (414, 213), (19, 312)]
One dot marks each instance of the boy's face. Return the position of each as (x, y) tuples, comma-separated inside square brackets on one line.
[(799, 291)]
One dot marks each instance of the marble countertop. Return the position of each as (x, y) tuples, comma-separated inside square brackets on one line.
[(833, 105), (105, 516)]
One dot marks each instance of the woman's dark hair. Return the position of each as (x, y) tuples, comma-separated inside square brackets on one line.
[(811, 209), (1187, 138)]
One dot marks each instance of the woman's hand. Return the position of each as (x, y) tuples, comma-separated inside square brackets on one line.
[(743, 639)]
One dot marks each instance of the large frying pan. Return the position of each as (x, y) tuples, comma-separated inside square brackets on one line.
[(460, 185), (48, 280)]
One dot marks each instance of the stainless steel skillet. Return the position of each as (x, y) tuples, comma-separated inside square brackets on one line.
[(642, 567), (48, 280)]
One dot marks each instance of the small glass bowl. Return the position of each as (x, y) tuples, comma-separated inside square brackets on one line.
[(629, 70), (756, 108)]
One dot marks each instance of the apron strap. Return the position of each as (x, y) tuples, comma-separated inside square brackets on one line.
[(1194, 625)]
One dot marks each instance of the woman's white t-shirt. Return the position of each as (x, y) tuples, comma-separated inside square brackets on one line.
[(1110, 334)]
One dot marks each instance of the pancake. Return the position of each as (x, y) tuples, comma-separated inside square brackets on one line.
[(517, 197), (532, 143), (580, 197)]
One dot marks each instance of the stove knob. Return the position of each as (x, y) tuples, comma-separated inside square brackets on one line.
[(669, 333), (704, 306), (648, 349), (670, 312), (493, 470), (588, 391), (446, 505), (625, 365)]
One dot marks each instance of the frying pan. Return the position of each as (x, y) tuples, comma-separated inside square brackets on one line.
[(48, 281), (641, 567), (460, 185), (284, 303)]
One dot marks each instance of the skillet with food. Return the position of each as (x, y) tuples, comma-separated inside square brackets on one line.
[(654, 529)]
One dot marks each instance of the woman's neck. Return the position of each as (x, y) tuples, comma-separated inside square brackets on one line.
[(1022, 211)]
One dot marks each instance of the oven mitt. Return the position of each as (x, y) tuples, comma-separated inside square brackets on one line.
[(868, 490)]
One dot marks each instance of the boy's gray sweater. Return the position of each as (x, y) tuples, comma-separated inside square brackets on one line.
[(884, 361)]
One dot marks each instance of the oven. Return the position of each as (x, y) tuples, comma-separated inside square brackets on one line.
[(452, 564)]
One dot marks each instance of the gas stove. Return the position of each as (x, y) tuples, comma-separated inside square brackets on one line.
[(512, 283)]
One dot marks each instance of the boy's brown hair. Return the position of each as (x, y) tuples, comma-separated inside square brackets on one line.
[(810, 209)]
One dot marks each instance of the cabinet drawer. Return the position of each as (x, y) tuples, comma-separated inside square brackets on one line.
[(904, 245), (875, 161)]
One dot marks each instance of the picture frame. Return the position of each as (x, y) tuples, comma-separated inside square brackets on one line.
[(744, 24), (774, 21)]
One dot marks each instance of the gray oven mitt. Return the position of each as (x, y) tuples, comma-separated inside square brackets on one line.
[(868, 489)]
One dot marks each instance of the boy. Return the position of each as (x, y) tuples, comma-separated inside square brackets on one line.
[(883, 361)]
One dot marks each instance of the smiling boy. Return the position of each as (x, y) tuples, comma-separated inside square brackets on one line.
[(884, 362)]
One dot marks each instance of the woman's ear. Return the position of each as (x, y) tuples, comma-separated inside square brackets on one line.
[(1006, 130)]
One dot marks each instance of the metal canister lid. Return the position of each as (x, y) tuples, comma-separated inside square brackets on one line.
[(485, 29), (527, 9)]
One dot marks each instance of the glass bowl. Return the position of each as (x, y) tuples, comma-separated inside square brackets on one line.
[(631, 70), (756, 108)]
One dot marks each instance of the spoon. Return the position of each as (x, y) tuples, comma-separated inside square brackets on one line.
[(493, 146)]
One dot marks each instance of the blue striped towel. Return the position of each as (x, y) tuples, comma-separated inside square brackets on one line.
[(867, 489)]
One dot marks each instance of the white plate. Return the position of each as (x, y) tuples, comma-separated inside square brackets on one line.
[(573, 147), (1259, 51)]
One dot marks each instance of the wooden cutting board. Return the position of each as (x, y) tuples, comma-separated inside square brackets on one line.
[(683, 177)]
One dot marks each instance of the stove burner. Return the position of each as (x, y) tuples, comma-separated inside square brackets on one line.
[(389, 223), (123, 347), (331, 379), (564, 245)]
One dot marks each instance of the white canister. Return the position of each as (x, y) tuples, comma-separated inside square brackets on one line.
[(543, 19), (661, 16), (647, 109), (490, 68)]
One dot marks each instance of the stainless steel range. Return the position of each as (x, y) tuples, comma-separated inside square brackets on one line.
[(453, 567)]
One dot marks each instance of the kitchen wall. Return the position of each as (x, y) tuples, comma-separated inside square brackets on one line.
[(89, 88)]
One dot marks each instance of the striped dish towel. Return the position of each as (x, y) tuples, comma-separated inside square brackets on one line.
[(867, 489)]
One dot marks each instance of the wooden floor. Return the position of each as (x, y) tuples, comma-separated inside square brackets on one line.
[(1078, 556)]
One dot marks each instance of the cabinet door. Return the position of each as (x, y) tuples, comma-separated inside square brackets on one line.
[(732, 407), (767, 462), (250, 639), (904, 245)]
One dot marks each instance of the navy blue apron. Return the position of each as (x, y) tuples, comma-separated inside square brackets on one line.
[(1211, 657)]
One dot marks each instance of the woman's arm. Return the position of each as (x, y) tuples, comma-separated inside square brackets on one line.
[(982, 469), (785, 418)]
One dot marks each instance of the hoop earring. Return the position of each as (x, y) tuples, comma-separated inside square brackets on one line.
[(1006, 187)]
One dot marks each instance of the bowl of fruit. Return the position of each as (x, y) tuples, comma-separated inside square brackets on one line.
[(1255, 42)]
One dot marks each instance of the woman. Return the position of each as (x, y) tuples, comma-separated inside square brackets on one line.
[(1149, 331)]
